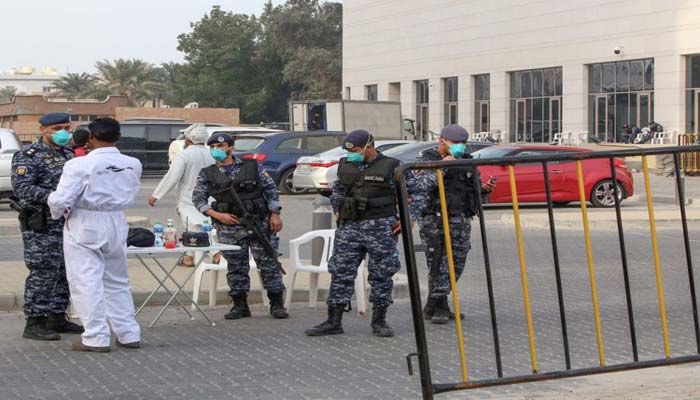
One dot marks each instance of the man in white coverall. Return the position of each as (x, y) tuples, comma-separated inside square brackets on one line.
[(92, 194), (183, 174)]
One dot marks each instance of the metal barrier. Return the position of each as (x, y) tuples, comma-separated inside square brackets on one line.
[(690, 162), (429, 388)]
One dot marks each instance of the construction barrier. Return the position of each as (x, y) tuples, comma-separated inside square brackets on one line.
[(429, 388), (690, 161)]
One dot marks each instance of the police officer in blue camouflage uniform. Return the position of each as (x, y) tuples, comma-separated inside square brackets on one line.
[(260, 196), (462, 205), (364, 201), (36, 171)]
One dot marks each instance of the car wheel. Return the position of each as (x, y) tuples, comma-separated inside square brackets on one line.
[(286, 184), (603, 194)]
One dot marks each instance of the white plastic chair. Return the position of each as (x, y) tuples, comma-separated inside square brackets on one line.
[(328, 236), (214, 278)]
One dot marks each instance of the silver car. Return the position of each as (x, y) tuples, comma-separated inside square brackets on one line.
[(317, 172), (9, 145)]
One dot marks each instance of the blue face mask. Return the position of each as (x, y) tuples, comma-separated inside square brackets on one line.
[(60, 138), (356, 157), (457, 150), (218, 154)]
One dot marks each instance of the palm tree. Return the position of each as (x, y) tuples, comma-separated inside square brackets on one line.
[(136, 79), (7, 93), (74, 85)]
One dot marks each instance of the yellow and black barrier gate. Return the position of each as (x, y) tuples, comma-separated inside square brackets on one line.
[(690, 161), (429, 388)]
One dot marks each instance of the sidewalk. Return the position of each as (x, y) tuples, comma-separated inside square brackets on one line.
[(142, 283)]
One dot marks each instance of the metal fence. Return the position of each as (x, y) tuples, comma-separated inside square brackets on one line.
[(429, 388)]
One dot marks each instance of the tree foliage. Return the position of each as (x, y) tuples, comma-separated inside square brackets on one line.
[(7, 93), (138, 80), (74, 85)]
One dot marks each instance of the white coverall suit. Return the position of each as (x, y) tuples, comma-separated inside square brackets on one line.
[(93, 193)]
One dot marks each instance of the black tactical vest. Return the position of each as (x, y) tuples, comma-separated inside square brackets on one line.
[(369, 193), (460, 191), (245, 184)]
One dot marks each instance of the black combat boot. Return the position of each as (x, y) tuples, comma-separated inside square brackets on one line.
[(333, 325), (379, 326), (429, 308), (277, 306), (59, 323), (36, 329), (240, 307), (441, 314)]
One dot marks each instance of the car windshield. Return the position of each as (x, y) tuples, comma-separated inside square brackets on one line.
[(492, 152), (248, 144), (409, 152)]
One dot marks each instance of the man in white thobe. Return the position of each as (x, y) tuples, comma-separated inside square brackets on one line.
[(182, 176), (92, 195)]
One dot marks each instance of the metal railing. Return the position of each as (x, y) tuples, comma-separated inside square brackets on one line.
[(690, 161), (429, 388)]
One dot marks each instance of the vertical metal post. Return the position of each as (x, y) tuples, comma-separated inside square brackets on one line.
[(321, 218), (557, 270), (487, 270), (688, 253), (414, 287), (623, 256)]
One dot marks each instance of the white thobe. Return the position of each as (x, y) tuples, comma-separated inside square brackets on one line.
[(93, 193), (182, 175)]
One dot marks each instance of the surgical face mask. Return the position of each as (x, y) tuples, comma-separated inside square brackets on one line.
[(60, 138), (218, 154), (457, 150), (356, 157)]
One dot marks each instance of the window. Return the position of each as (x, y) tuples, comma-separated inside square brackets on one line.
[(46, 89), (692, 93), (347, 93), (289, 145), (75, 117), (158, 137), (450, 85), (371, 92), (535, 105), (248, 144), (317, 144), (422, 109), (619, 93), (482, 106)]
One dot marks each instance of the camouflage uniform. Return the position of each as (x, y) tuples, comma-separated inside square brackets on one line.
[(356, 239), (35, 174), (238, 261)]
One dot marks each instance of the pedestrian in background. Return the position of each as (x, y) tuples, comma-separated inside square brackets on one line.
[(182, 176), (36, 171), (92, 196)]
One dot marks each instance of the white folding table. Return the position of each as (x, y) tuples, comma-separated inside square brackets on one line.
[(152, 253)]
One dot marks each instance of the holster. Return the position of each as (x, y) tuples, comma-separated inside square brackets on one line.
[(34, 219), (348, 210)]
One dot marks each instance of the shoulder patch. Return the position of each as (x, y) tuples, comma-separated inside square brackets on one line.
[(21, 170)]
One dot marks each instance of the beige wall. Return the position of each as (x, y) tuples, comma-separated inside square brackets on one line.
[(228, 116), (407, 40)]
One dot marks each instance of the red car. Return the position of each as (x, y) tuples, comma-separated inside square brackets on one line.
[(529, 177)]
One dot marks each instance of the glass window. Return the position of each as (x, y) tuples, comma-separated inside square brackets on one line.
[(249, 143), (318, 144), (515, 85), (537, 83), (371, 92), (549, 82), (621, 115), (287, 145), (608, 77), (560, 82), (133, 131), (637, 75), (622, 76), (526, 84), (422, 96), (158, 137), (649, 74)]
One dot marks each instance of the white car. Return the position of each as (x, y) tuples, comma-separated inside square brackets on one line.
[(317, 172), (178, 144), (9, 145)]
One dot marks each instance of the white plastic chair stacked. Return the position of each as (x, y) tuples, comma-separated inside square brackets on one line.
[(214, 277), (296, 266)]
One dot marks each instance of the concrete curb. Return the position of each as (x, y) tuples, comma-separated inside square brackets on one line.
[(15, 301), (573, 221)]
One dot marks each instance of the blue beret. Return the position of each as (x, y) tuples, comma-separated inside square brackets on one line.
[(357, 138), (54, 118), (220, 137), (454, 133)]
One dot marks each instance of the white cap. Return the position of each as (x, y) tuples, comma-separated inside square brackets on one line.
[(196, 133)]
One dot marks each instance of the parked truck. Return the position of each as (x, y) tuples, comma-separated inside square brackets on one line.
[(381, 118)]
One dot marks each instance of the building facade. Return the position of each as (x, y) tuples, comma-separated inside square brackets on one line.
[(528, 69), (28, 81)]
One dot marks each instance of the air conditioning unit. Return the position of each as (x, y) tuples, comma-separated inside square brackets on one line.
[(193, 104)]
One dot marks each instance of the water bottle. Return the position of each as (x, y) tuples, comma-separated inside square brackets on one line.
[(170, 235), (158, 233), (207, 228)]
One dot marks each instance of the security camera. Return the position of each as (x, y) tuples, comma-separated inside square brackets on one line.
[(617, 50)]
